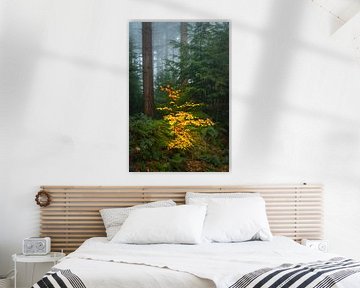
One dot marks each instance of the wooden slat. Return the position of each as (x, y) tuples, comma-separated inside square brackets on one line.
[(73, 216)]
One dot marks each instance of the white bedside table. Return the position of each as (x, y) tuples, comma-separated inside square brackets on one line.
[(53, 257)]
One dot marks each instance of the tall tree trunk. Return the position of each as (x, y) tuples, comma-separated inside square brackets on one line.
[(183, 32), (183, 50), (148, 82)]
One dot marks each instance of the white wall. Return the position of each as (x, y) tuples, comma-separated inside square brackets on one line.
[(64, 104)]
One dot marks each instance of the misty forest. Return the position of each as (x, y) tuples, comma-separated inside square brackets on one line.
[(178, 96)]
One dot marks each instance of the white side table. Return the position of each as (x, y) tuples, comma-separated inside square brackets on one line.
[(53, 257)]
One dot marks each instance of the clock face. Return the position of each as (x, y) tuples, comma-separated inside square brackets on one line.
[(40, 245), (322, 247)]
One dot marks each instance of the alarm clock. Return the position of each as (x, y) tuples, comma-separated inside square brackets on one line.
[(320, 245), (36, 246)]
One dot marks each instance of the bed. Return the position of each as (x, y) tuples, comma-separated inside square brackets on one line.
[(294, 213)]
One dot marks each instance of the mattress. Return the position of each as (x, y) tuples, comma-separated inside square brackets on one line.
[(99, 263)]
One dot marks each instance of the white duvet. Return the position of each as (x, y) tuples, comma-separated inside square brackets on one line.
[(100, 263)]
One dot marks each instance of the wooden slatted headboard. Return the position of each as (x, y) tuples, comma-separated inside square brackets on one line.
[(73, 215)]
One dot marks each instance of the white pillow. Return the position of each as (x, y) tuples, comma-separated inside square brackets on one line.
[(236, 220), (113, 218), (180, 224), (203, 198)]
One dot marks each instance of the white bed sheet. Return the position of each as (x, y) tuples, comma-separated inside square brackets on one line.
[(101, 274), (100, 263)]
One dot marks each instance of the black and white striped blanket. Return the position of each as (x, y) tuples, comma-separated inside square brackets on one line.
[(57, 278), (320, 274)]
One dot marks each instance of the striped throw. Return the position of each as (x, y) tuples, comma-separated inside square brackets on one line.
[(57, 278), (320, 274)]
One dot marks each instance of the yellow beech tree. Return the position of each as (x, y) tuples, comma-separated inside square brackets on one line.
[(182, 121)]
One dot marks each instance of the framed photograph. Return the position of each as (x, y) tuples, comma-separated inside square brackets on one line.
[(178, 96)]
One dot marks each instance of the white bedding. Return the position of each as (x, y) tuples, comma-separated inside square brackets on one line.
[(100, 263)]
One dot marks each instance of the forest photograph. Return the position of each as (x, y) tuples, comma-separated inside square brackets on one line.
[(178, 96)]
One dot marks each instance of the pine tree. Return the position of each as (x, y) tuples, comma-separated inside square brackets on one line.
[(148, 82)]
